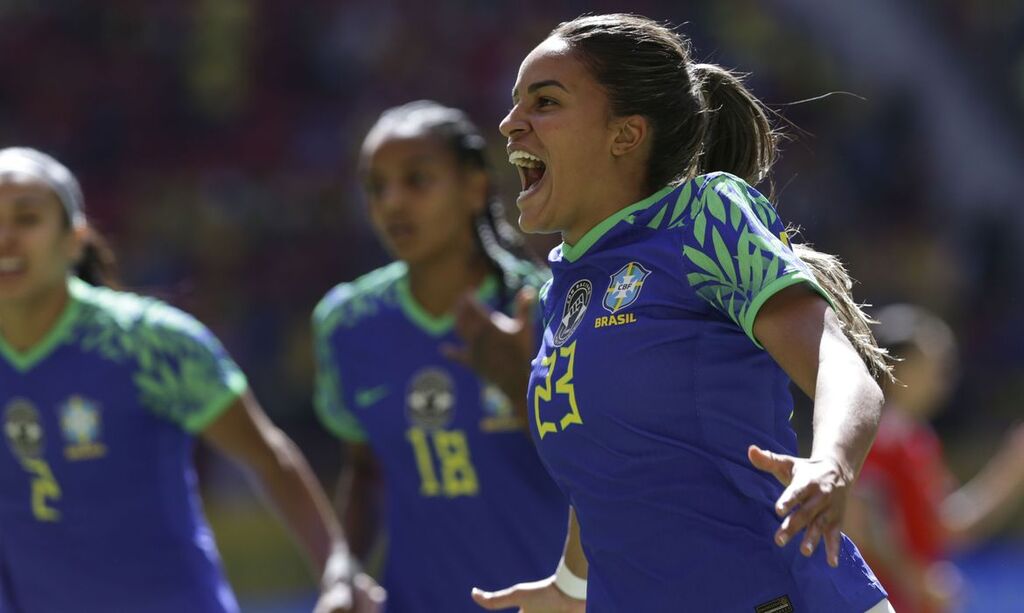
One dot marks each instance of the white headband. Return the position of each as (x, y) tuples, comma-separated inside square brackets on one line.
[(56, 176)]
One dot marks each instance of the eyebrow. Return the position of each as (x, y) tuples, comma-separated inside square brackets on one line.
[(538, 85), (28, 200)]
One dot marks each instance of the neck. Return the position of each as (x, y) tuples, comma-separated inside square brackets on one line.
[(25, 323), (438, 284), (613, 198)]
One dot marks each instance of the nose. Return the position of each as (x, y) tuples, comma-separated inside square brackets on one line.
[(389, 198), (513, 123)]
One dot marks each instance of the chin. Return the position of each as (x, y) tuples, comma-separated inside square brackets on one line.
[(531, 220)]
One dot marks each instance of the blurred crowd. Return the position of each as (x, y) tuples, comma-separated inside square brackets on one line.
[(217, 145)]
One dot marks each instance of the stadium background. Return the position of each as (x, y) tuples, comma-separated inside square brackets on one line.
[(216, 142)]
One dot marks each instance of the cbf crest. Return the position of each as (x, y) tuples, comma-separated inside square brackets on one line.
[(80, 422), (576, 302), (430, 399), (625, 286)]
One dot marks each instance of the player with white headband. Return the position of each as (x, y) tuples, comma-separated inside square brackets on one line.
[(102, 394)]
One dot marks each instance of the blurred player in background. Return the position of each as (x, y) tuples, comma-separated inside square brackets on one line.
[(907, 514), (102, 394), (466, 495), (660, 396)]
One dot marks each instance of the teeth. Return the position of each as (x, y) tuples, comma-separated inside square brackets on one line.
[(10, 264), (524, 159)]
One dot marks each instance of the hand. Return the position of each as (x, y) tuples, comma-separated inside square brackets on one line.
[(814, 499), (362, 595), (497, 346), (534, 597)]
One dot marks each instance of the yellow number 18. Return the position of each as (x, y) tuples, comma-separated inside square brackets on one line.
[(458, 478)]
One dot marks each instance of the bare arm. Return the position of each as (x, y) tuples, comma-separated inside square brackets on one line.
[(543, 596), (358, 498), (801, 332), (246, 435), (983, 504), (575, 559)]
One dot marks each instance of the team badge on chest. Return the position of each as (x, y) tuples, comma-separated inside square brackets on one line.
[(576, 303), (625, 286), (82, 428), (23, 429), (430, 399)]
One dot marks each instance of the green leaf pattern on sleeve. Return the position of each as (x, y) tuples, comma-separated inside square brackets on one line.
[(344, 307), (183, 372), (327, 396), (737, 248)]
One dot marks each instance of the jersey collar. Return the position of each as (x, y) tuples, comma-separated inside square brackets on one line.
[(25, 360), (572, 253), (437, 326)]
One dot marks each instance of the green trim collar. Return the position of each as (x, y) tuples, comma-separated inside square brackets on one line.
[(575, 252), (437, 326), (23, 361)]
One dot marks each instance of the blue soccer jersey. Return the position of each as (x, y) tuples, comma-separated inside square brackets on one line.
[(468, 502), (648, 389), (98, 504)]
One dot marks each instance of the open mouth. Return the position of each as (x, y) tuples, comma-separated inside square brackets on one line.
[(400, 232), (11, 265), (531, 168)]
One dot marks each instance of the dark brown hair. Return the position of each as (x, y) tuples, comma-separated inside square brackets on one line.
[(702, 116), (703, 119), (97, 266)]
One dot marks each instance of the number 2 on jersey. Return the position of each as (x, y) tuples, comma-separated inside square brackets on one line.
[(458, 477), (564, 385), (44, 489)]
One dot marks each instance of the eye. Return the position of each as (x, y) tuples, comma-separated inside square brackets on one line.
[(417, 179), (26, 219), (544, 101), (373, 188)]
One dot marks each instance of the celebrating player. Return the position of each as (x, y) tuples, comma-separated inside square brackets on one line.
[(466, 493), (102, 393), (677, 315)]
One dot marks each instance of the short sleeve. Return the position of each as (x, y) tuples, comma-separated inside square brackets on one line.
[(327, 396), (184, 374), (738, 251)]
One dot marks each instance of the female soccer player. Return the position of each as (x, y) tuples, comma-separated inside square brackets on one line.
[(101, 394), (465, 491), (906, 511), (677, 315)]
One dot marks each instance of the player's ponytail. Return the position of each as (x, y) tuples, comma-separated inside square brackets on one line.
[(738, 137), (703, 119), (832, 276), (97, 264)]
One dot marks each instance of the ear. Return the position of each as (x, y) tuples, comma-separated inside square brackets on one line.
[(475, 183), (630, 134), (76, 241)]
